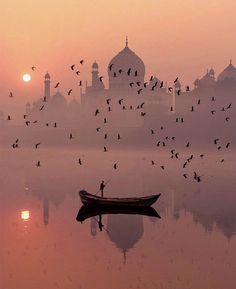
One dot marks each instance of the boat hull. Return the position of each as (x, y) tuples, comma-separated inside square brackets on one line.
[(89, 199), (89, 211)]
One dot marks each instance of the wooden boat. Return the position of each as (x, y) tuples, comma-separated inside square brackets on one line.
[(87, 199), (89, 211)]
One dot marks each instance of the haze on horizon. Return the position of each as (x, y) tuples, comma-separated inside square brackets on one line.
[(174, 38)]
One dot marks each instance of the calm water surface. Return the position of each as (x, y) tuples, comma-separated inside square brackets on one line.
[(42, 245)]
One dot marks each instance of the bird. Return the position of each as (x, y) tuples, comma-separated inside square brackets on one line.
[(216, 140), (118, 136), (158, 144), (131, 84), (153, 162), (201, 155), (212, 112), (192, 108), (80, 83), (24, 116), (152, 131), (38, 164), (120, 100), (162, 127), (81, 61), (108, 101), (109, 108), (227, 118), (35, 121), (37, 144), (79, 161), (151, 78), (131, 107), (105, 120), (105, 136), (41, 108), (187, 88), (97, 129), (172, 151), (185, 176), (162, 167), (143, 113), (177, 119), (177, 155), (219, 147), (173, 138), (17, 140), (120, 71), (163, 144), (139, 91), (27, 122), (136, 73), (57, 85), (104, 149), (100, 78), (142, 104), (8, 117), (123, 107), (138, 83), (178, 91), (114, 74), (182, 119), (222, 109), (110, 66), (176, 79), (171, 108), (69, 92), (44, 98), (170, 89), (71, 136), (199, 101), (10, 94), (212, 99), (33, 68), (72, 66), (55, 124), (227, 145), (184, 165), (145, 84), (222, 160), (97, 112), (188, 144), (115, 166), (229, 106), (77, 72), (162, 84)]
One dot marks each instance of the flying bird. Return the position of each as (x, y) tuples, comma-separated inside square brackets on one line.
[(33, 68), (81, 61), (72, 66), (38, 164), (115, 166), (10, 94), (37, 144), (57, 85), (176, 79), (110, 66), (41, 108), (69, 92), (79, 161), (97, 112)]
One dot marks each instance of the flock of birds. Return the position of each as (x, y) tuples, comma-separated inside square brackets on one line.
[(180, 119)]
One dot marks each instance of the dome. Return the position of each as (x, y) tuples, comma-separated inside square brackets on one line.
[(212, 72), (47, 75), (95, 65), (124, 68), (229, 72)]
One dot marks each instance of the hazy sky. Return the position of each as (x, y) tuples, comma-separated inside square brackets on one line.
[(178, 37)]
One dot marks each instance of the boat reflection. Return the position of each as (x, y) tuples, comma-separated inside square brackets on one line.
[(88, 211)]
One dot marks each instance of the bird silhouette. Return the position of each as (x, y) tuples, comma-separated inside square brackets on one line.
[(44, 99), (114, 74), (178, 91), (229, 106), (201, 155), (33, 68), (8, 117), (81, 61), (104, 149), (143, 113), (227, 118), (105, 136), (185, 176), (153, 162), (162, 167), (120, 71), (199, 101), (222, 160), (55, 124), (170, 89), (184, 165), (27, 122), (72, 66), (100, 78), (213, 98), (77, 72), (187, 88), (57, 85), (138, 83), (182, 119), (105, 120), (69, 92), (131, 84), (188, 144), (71, 136), (24, 116), (98, 129), (38, 164), (212, 112), (227, 145), (216, 141), (171, 108), (80, 83), (176, 79), (152, 131), (79, 161), (97, 112), (142, 104), (139, 91), (41, 108), (37, 144), (136, 73), (118, 136), (108, 101), (120, 100), (162, 84), (110, 66), (10, 94)]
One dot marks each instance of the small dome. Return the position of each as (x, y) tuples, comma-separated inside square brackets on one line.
[(212, 72), (95, 65), (229, 72), (47, 75)]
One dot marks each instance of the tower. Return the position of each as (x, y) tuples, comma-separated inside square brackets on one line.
[(94, 74), (47, 85)]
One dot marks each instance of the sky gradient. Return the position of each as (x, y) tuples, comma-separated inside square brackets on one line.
[(174, 38)]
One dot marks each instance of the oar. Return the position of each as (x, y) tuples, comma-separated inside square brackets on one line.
[(105, 185)]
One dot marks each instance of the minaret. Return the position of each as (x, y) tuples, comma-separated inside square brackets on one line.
[(47, 85), (94, 73)]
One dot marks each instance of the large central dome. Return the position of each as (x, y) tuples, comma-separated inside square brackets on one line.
[(124, 68)]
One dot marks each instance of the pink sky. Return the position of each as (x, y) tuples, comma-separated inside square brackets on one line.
[(173, 38)]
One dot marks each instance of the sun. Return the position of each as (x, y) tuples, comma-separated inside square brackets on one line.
[(26, 77)]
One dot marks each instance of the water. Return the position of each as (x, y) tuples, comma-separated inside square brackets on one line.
[(42, 245)]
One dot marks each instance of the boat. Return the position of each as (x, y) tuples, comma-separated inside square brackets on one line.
[(87, 199), (89, 211)]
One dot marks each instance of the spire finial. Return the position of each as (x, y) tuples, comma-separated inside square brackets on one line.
[(230, 61), (126, 41)]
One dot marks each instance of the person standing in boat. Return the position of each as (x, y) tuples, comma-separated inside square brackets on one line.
[(102, 187)]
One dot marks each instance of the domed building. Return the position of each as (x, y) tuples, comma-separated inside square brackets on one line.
[(125, 68), (228, 73)]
